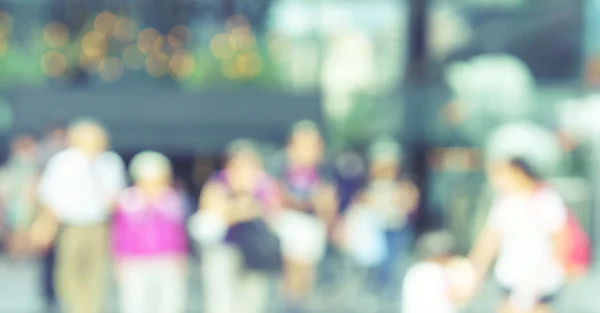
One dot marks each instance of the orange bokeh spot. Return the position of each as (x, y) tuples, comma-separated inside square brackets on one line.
[(110, 69), (56, 34), (146, 39), (182, 64), (94, 44), (105, 23), (53, 64)]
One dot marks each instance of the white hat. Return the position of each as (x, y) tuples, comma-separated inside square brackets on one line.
[(149, 164)]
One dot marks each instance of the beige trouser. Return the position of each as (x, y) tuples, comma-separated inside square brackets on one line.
[(228, 286), (81, 265)]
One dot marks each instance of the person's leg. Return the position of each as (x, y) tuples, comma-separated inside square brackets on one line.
[(508, 307), (94, 271), (390, 273), (133, 285), (298, 283), (542, 308), (220, 269), (48, 277), (67, 269), (171, 291), (253, 292)]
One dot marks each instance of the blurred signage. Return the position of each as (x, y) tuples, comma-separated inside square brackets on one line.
[(169, 120)]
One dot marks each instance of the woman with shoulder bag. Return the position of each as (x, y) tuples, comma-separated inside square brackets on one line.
[(525, 233), (232, 226)]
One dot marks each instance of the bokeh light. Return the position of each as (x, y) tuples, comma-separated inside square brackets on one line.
[(53, 64), (56, 34), (94, 44), (105, 23), (133, 58), (156, 67), (182, 64), (125, 30), (244, 38), (6, 23), (179, 37), (88, 63), (249, 64), (110, 69), (146, 39), (158, 49), (222, 46), (231, 70)]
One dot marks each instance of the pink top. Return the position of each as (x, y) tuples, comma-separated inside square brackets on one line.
[(144, 228)]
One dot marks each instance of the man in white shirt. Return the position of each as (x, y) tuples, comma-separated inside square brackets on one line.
[(78, 188)]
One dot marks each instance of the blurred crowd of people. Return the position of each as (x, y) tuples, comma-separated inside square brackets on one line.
[(74, 202)]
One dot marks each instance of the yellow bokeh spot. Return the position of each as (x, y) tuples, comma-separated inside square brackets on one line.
[(249, 65), (158, 49), (110, 69), (3, 45), (6, 23), (222, 46), (105, 23), (56, 34), (243, 38), (230, 69), (182, 64), (157, 67), (125, 30), (133, 58), (146, 39), (94, 44), (179, 36), (90, 64), (53, 63)]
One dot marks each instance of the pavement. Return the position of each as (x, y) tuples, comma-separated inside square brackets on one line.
[(19, 293)]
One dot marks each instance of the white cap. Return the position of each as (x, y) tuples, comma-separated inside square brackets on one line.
[(149, 165), (385, 149)]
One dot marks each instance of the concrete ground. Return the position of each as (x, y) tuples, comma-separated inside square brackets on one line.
[(19, 293)]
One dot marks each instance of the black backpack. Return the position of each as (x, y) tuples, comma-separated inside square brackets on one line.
[(260, 247)]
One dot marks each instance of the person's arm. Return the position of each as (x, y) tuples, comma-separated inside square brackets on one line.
[(487, 244), (213, 199), (243, 208), (555, 221), (116, 180), (209, 224), (290, 202), (44, 228), (408, 196), (232, 209), (326, 203), (485, 250)]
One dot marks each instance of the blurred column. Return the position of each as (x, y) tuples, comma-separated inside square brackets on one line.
[(419, 11)]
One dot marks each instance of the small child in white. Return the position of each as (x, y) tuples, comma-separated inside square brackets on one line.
[(441, 282)]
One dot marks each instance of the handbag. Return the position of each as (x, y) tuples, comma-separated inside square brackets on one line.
[(260, 247)]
